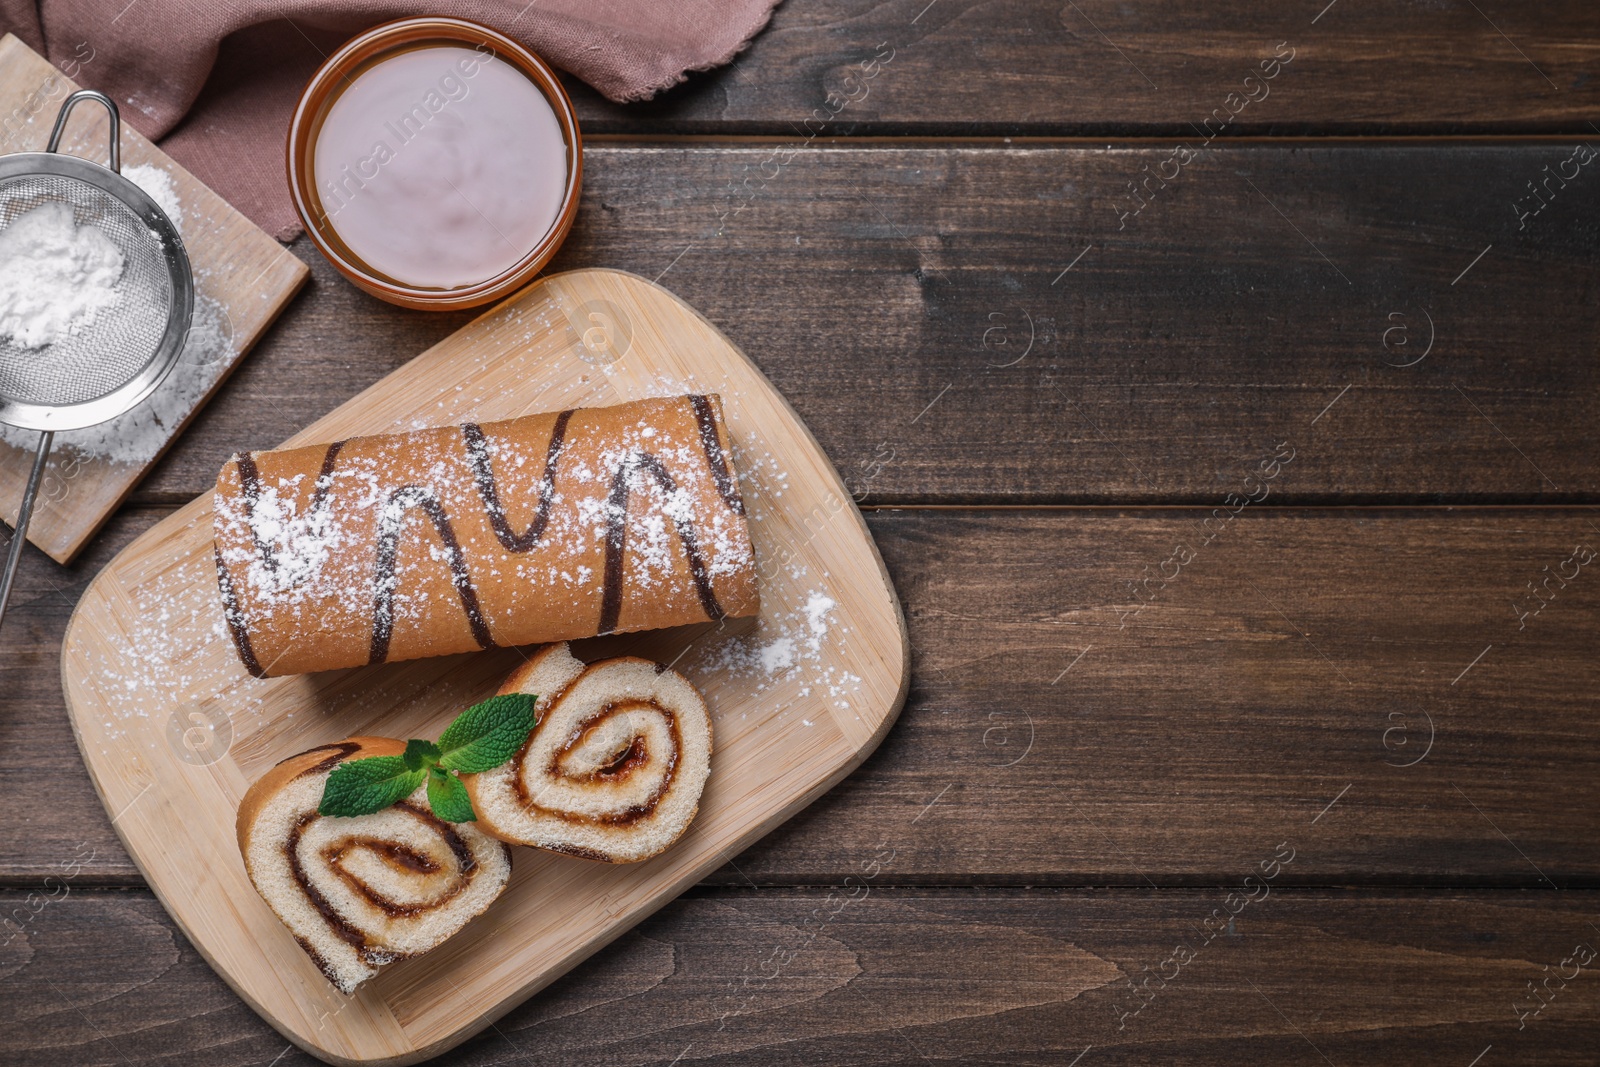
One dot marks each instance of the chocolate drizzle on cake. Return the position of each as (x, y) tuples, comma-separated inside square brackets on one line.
[(384, 580), (478, 453), (394, 511), (250, 489), (250, 486), (235, 617), (617, 540), (483, 473), (727, 484), (337, 754)]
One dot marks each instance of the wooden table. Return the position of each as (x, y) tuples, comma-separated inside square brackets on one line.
[(1241, 498)]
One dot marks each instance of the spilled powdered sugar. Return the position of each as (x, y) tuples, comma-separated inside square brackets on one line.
[(177, 655), (159, 185), (818, 607), (781, 653), (799, 640), (138, 435), (778, 655), (788, 646)]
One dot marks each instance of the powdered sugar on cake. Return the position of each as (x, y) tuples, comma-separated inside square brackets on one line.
[(296, 542), (639, 521), (791, 660)]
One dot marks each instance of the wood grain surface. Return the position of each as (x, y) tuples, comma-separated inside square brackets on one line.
[(1098, 68), (242, 280), (867, 974), (1303, 656), (844, 202), (911, 304)]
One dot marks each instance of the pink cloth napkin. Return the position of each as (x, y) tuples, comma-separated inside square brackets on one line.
[(215, 81)]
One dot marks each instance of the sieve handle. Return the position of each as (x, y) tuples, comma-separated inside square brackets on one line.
[(116, 133), (19, 536)]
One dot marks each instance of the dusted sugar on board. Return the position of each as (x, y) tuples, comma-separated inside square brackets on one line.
[(543, 528)]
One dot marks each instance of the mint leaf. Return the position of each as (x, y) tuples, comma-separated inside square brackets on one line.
[(482, 737), (448, 797), (487, 734), (363, 786), (420, 754)]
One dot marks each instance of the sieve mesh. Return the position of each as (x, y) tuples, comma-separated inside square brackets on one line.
[(124, 337)]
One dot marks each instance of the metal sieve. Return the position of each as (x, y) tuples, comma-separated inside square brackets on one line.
[(118, 358)]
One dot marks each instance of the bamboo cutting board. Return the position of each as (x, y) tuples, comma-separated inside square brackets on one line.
[(173, 730), (242, 279)]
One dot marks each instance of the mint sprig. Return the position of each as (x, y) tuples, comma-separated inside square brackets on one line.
[(448, 797), (481, 739), (363, 786), (486, 735)]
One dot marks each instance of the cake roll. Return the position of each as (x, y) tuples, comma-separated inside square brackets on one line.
[(358, 893), (614, 769), (537, 529)]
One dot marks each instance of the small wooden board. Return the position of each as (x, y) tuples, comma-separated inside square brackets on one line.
[(242, 278), (173, 730)]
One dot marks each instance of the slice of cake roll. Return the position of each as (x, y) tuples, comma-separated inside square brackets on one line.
[(614, 769), (361, 892)]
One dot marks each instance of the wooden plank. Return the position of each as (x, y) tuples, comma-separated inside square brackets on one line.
[(1087, 68), (1098, 68), (242, 280), (892, 294), (1277, 686), (1077, 720), (894, 976)]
